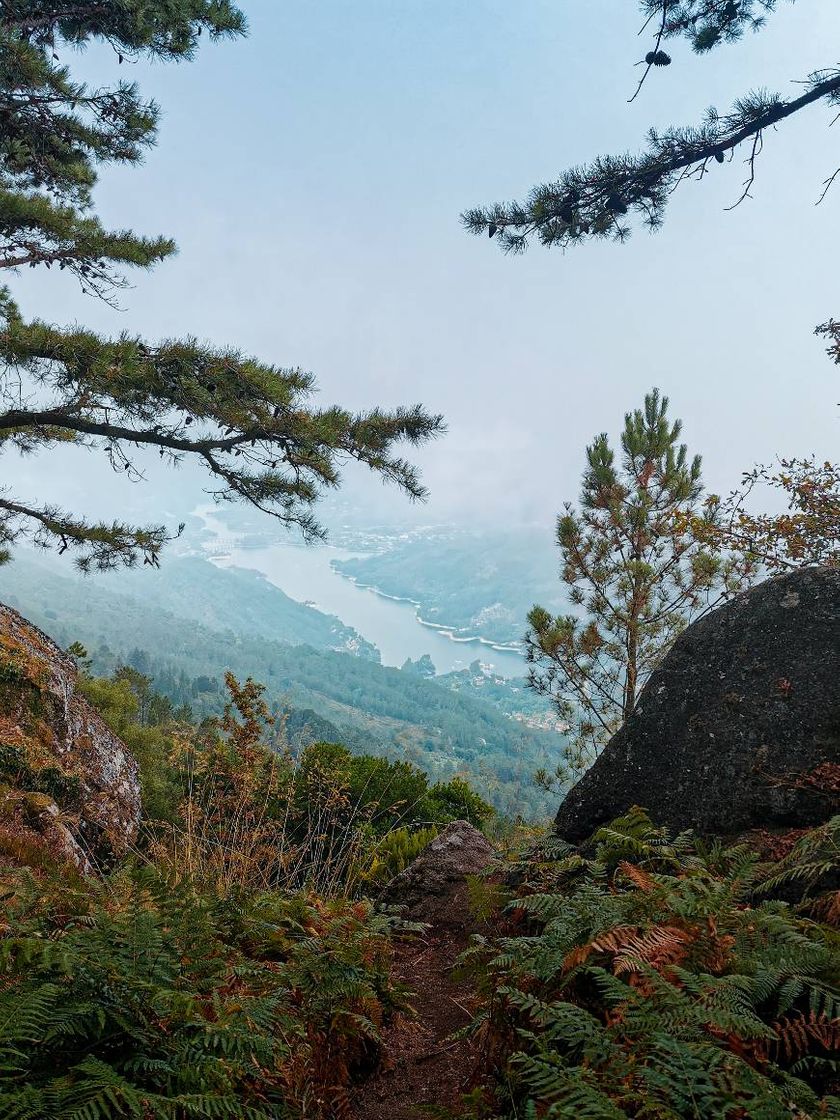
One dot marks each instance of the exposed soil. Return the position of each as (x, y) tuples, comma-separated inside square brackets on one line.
[(424, 1068)]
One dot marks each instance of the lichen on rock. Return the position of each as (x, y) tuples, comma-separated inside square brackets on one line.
[(66, 776), (738, 728)]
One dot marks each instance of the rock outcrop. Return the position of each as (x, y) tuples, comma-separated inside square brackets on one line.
[(64, 775), (739, 727), (432, 887)]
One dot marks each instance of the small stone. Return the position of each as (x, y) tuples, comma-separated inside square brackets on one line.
[(429, 885)]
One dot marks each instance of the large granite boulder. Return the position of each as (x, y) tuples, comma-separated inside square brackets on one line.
[(64, 775), (739, 728)]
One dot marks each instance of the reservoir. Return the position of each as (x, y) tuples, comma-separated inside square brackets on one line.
[(305, 573)]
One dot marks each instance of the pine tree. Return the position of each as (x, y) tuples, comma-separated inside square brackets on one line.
[(601, 199), (637, 571), (251, 425)]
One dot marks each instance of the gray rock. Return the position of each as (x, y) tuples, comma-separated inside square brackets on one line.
[(53, 740), (430, 887), (739, 727)]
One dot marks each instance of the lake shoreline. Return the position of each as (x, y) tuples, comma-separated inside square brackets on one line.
[(451, 632), (391, 623)]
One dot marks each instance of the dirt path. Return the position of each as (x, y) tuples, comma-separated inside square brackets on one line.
[(423, 1066)]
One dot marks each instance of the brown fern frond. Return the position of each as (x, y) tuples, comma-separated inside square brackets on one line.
[(341, 1106), (614, 940), (826, 908), (798, 1033), (640, 878), (658, 948)]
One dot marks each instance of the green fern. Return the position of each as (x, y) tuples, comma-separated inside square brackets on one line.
[(156, 1001), (651, 984)]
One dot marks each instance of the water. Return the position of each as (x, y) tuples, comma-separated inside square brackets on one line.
[(305, 574)]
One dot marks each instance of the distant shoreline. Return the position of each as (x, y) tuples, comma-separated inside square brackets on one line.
[(227, 541), (450, 632)]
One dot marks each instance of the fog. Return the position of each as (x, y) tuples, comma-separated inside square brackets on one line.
[(313, 176)]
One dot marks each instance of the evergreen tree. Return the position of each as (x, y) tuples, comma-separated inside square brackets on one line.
[(251, 425), (637, 570), (601, 199)]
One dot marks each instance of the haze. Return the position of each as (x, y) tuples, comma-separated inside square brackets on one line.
[(313, 176)]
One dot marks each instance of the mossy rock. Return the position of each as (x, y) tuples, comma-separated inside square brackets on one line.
[(738, 728), (55, 746)]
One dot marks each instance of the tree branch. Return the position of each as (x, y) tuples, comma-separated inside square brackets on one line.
[(586, 202)]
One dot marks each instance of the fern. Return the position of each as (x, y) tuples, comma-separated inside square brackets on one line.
[(655, 982), (159, 1002)]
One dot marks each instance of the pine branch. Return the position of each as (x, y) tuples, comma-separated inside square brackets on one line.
[(249, 424), (98, 544), (592, 202)]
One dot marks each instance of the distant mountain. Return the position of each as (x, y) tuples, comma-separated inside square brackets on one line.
[(193, 588)]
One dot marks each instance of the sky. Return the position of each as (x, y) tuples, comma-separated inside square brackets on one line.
[(313, 176)]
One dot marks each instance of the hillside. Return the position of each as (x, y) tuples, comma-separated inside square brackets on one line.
[(193, 588), (480, 583), (372, 706)]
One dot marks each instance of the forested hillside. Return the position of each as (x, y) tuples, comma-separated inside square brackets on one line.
[(481, 583), (236, 599), (441, 728)]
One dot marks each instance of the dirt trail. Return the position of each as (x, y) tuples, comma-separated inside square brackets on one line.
[(423, 1066)]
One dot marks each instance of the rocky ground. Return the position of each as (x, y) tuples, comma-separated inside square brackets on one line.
[(426, 1068)]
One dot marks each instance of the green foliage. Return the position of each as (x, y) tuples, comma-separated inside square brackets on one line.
[(394, 852), (636, 566), (17, 770), (708, 25), (10, 671), (139, 997), (650, 981), (391, 793), (58, 131), (372, 708), (145, 720), (810, 865), (249, 424), (232, 793)]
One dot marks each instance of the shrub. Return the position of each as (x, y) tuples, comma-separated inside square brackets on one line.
[(137, 997), (646, 977)]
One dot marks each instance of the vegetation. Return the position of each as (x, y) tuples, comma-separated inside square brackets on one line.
[(250, 425), (234, 965), (229, 801), (372, 708), (601, 199), (649, 976), (138, 996), (807, 532), (507, 571), (239, 600), (230, 967), (637, 565)]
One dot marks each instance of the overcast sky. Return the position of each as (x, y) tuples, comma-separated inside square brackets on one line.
[(313, 176)]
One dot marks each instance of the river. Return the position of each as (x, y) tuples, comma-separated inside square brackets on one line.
[(305, 573)]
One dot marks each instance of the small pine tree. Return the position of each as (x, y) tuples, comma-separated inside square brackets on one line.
[(637, 570)]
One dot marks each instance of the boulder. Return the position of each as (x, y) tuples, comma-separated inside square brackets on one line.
[(432, 887), (63, 772), (738, 728)]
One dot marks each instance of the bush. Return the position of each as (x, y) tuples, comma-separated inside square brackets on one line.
[(137, 997), (649, 977)]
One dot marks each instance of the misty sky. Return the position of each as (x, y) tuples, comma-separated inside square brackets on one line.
[(313, 177)]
